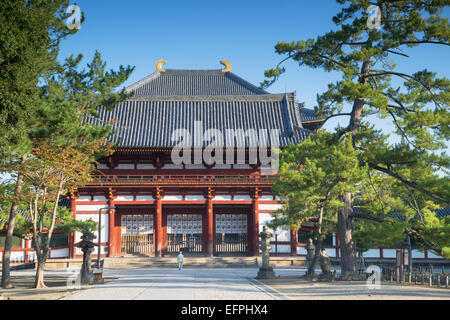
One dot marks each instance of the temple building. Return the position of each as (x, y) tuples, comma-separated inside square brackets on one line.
[(199, 205), (192, 171)]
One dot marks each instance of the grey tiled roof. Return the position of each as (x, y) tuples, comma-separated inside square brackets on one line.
[(306, 114), (149, 121), (194, 83)]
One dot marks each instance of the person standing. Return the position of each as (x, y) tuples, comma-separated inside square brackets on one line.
[(180, 259)]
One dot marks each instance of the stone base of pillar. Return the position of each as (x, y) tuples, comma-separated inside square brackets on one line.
[(209, 250), (265, 273)]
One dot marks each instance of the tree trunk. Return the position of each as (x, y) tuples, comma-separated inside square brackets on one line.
[(39, 279), (345, 221), (345, 228), (319, 245), (6, 270)]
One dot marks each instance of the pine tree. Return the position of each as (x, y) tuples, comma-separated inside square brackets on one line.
[(418, 109), (30, 33)]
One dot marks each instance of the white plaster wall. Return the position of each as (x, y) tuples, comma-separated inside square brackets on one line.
[(194, 197), (239, 197), (124, 198), (145, 198), (331, 252), (433, 256), (194, 166), (125, 166), (31, 255), (301, 250), (94, 253), (89, 207), (222, 197), (17, 256), (84, 198), (59, 253), (102, 166), (145, 166), (389, 253), (94, 217), (173, 198), (272, 207), (100, 198), (282, 234), (281, 248), (372, 253), (173, 166), (266, 197), (417, 254)]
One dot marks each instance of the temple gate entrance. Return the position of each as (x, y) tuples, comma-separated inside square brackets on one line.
[(137, 233), (184, 233), (231, 234)]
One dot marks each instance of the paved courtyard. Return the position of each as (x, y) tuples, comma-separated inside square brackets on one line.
[(229, 284), (186, 284)]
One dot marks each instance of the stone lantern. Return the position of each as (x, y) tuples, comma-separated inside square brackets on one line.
[(87, 247), (310, 248), (265, 271)]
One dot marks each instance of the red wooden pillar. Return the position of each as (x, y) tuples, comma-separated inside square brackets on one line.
[(111, 224), (26, 244), (73, 207), (254, 239), (293, 241), (210, 223), (158, 222)]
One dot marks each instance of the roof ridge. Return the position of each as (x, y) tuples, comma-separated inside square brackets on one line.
[(258, 97), (184, 82), (245, 83)]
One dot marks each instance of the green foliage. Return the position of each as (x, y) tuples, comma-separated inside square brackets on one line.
[(313, 175), (22, 226), (404, 182), (30, 33), (72, 225)]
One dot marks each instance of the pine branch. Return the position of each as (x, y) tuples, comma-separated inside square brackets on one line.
[(409, 183)]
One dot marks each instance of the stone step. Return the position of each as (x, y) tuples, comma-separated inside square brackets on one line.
[(130, 262), (170, 262)]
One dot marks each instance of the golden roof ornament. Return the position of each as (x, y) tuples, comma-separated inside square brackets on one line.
[(227, 65), (159, 64)]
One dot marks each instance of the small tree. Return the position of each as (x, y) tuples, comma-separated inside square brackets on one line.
[(64, 145), (313, 175), (50, 173)]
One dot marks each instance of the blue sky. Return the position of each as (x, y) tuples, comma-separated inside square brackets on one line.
[(196, 34)]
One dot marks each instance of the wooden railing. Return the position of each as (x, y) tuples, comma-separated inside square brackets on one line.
[(183, 180), (137, 243), (231, 243)]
